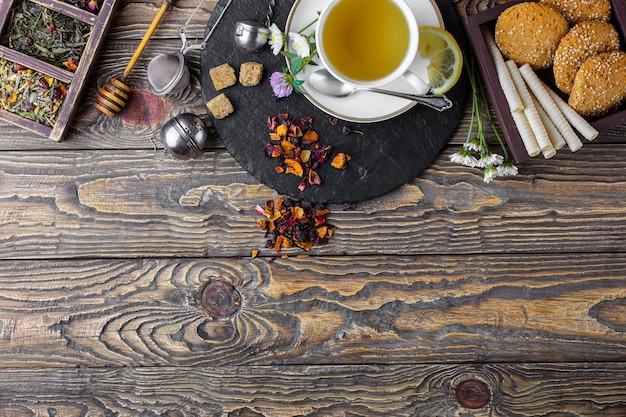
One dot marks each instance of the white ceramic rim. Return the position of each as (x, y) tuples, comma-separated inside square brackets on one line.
[(408, 59), (366, 107)]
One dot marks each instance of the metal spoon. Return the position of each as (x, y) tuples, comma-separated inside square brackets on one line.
[(326, 84)]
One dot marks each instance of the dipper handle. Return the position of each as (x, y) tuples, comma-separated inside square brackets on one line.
[(145, 39)]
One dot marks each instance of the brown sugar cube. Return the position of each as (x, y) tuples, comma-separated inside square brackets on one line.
[(220, 106), (250, 73), (223, 76)]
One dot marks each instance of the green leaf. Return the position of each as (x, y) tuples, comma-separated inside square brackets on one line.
[(289, 55), (296, 66)]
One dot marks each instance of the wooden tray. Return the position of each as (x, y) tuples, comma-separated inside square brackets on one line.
[(488, 18), (74, 80)]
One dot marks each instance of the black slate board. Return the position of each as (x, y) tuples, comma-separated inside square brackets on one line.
[(386, 156)]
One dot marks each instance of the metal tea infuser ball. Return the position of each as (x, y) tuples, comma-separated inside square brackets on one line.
[(168, 73), (252, 35), (184, 136)]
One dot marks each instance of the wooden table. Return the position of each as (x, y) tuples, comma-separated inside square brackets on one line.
[(448, 296)]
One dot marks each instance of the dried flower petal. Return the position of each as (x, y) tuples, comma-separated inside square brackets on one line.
[(297, 224), (314, 178), (297, 147), (294, 167), (340, 161), (310, 136), (282, 130)]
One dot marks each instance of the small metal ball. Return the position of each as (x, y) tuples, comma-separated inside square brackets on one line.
[(184, 136), (251, 35)]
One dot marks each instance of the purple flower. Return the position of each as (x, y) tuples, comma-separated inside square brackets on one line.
[(281, 84)]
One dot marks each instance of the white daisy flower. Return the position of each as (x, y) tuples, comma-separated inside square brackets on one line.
[(474, 145), (507, 168), (299, 44), (489, 159), (464, 158), (277, 39), (489, 174)]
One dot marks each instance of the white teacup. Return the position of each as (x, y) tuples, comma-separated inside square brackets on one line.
[(369, 43)]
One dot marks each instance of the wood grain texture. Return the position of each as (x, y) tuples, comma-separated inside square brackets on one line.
[(141, 203), (106, 245), (315, 310), (146, 113), (412, 391)]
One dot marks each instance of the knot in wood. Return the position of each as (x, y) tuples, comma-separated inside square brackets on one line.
[(221, 299), (472, 394)]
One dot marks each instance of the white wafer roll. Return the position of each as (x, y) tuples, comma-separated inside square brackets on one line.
[(526, 133), (555, 136), (537, 126), (543, 97), (512, 97), (575, 119)]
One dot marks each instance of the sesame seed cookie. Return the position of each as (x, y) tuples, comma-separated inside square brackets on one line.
[(600, 84), (576, 11), (529, 33), (584, 40)]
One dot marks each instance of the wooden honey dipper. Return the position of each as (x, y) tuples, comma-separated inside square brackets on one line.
[(114, 94)]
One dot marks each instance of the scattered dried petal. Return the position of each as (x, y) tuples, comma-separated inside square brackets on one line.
[(310, 136), (340, 161), (294, 223), (282, 130), (297, 147), (294, 167), (314, 178)]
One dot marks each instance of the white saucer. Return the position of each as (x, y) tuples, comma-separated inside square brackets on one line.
[(362, 106)]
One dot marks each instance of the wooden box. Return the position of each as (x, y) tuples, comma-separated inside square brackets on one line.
[(73, 81), (488, 18)]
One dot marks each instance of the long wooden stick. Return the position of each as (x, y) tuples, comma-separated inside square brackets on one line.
[(145, 39)]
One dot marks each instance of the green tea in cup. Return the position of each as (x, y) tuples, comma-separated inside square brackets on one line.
[(367, 42)]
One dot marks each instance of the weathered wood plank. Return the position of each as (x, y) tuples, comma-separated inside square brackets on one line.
[(141, 203), (133, 17), (591, 389), (314, 310)]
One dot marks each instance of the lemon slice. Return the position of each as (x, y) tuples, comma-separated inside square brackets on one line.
[(445, 58)]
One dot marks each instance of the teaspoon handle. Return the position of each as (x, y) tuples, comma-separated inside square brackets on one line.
[(439, 103)]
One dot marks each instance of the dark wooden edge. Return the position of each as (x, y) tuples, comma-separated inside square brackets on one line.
[(37, 65), (80, 77), (27, 124), (619, 20), (5, 7), (69, 10), (76, 80)]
